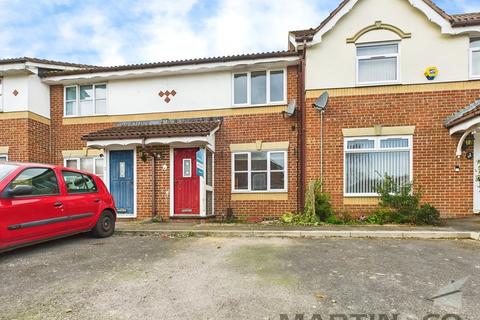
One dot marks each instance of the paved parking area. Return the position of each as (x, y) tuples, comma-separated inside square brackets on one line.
[(133, 277)]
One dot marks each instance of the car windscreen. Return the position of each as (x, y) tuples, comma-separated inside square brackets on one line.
[(6, 169)]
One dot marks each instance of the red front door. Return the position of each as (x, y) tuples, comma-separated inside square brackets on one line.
[(186, 182)]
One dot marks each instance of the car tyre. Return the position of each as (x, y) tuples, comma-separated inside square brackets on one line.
[(105, 226)]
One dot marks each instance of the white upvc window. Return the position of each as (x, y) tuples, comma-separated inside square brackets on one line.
[(378, 63), (259, 171), (368, 160), (259, 87), (95, 165), (85, 100), (475, 58), (3, 157)]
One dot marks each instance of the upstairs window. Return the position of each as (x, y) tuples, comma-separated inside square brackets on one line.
[(377, 64), (259, 87), (86, 100), (475, 58)]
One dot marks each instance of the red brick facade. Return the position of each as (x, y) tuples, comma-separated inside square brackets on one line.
[(28, 140), (434, 149), (434, 158)]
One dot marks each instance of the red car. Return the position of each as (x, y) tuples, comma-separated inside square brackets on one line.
[(40, 202)]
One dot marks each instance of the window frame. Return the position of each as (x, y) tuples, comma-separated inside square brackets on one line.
[(3, 155), (376, 149), (34, 195), (471, 50), (77, 100), (78, 160), (190, 173), (370, 57), (268, 89), (268, 170)]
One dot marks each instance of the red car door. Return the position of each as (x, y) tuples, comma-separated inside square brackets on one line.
[(36, 214), (83, 200)]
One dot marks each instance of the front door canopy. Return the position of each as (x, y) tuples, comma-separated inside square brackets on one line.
[(465, 121), (199, 132)]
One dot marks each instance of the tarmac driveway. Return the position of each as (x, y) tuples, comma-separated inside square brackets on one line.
[(132, 277)]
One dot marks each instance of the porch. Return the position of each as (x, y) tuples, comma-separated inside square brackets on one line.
[(160, 169), (465, 124)]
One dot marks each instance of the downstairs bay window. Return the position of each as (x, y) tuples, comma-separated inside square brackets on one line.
[(369, 159), (260, 171), (95, 165)]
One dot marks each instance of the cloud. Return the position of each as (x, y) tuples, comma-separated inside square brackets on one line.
[(116, 32)]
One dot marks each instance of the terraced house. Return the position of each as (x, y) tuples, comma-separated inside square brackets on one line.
[(239, 135)]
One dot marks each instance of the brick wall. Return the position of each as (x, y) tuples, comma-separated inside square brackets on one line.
[(433, 148), (15, 136), (27, 139)]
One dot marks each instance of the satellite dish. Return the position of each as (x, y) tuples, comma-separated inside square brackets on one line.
[(322, 101), (292, 106)]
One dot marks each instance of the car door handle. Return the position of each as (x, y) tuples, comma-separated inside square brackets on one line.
[(58, 204), (96, 200)]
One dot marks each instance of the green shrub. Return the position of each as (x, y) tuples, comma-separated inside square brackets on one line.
[(287, 217), (399, 203), (380, 216), (346, 216), (317, 203), (426, 215)]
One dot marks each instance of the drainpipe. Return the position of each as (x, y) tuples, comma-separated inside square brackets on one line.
[(303, 121)]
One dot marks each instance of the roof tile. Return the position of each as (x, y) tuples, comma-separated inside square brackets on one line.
[(167, 129)]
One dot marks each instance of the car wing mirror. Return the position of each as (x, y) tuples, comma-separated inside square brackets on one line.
[(20, 190)]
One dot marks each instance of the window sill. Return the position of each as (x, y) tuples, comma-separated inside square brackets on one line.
[(271, 104), (260, 196), (86, 116), (378, 84), (361, 200)]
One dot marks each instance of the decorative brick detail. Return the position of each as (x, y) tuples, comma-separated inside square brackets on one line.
[(167, 94)]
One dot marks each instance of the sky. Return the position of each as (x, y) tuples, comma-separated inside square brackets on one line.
[(114, 32)]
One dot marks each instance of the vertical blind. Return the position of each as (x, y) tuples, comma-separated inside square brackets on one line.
[(377, 63), (367, 166)]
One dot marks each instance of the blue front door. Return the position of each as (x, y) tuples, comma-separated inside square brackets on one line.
[(121, 180)]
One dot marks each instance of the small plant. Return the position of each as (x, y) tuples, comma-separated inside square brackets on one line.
[(427, 215), (381, 216), (399, 203), (317, 203), (317, 210)]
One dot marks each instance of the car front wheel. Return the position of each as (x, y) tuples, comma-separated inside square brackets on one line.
[(105, 225)]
